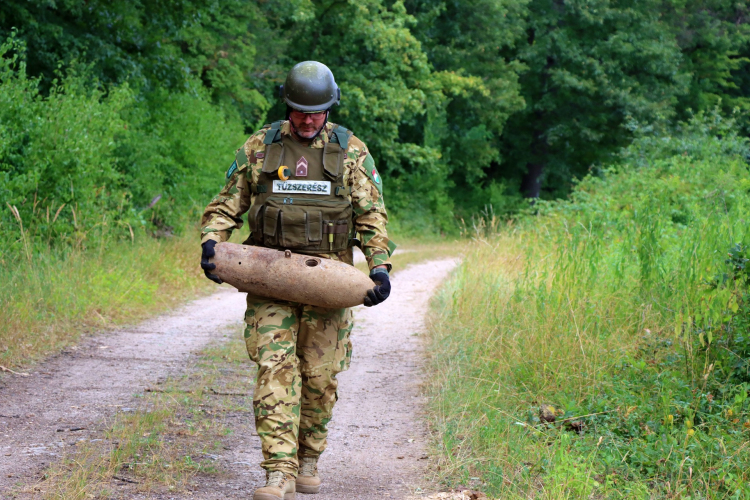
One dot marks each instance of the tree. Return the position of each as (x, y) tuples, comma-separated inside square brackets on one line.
[(388, 86), (470, 44), (156, 44), (714, 38), (591, 66)]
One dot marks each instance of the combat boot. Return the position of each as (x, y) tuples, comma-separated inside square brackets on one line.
[(279, 486), (308, 480)]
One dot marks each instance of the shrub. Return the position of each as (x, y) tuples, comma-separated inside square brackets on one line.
[(87, 162)]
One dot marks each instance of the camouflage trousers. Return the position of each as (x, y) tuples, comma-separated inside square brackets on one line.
[(299, 350)]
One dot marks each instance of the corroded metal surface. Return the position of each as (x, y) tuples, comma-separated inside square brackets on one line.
[(285, 275)]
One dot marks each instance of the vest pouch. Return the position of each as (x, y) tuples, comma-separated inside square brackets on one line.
[(271, 218), (314, 226), (308, 225), (293, 227), (333, 160), (255, 222), (336, 233)]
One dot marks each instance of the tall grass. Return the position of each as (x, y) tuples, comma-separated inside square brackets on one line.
[(621, 314), (88, 173), (49, 301)]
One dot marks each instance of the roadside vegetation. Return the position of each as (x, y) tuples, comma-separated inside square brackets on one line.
[(48, 303), (598, 347), (100, 197)]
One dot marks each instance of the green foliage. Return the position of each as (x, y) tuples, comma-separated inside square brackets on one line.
[(51, 300), (80, 159), (564, 78), (464, 103), (467, 43), (590, 65), (151, 45), (714, 38), (387, 84), (625, 308)]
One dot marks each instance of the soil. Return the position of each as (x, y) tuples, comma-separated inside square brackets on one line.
[(377, 439)]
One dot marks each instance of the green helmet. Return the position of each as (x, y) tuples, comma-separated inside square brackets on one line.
[(310, 88)]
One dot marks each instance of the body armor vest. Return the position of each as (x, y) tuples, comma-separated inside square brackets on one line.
[(309, 213)]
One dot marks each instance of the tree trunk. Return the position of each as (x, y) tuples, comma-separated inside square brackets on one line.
[(531, 183)]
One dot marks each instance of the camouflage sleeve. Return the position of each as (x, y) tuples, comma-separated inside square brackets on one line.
[(370, 217), (224, 214)]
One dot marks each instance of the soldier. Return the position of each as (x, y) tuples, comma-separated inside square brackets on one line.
[(310, 186)]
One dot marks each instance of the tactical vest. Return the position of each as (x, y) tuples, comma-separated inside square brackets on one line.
[(307, 214)]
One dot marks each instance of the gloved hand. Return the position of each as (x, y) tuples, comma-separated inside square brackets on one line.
[(207, 253), (382, 290)]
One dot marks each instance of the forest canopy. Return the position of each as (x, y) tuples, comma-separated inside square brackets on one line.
[(129, 112)]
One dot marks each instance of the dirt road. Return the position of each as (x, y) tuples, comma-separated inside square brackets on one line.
[(377, 438)]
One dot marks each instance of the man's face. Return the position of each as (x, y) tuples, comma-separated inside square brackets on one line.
[(307, 125)]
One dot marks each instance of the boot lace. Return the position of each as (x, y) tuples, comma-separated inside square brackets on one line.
[(308, 466), (276, 478)]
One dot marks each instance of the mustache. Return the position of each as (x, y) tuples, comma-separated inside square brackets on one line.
[(307, 130)]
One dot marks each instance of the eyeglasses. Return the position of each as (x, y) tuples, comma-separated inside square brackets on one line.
[(301, 114)]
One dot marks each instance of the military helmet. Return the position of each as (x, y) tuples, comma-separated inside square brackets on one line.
[(310, 88)]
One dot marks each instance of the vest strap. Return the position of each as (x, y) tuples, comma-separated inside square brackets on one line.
[(256, 189), (343, 191), (273, 134), (340, 135)]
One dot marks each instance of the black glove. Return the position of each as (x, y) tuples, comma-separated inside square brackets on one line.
[(382, 290), (207, 253)]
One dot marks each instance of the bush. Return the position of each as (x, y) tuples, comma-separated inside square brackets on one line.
[(625, 308), (87, 162)]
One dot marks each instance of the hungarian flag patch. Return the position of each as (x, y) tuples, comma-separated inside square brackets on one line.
[(372, 172)]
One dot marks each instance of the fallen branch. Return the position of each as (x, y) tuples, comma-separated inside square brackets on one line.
[(125, 480), (156, 389), (227, 393), (4, 369)]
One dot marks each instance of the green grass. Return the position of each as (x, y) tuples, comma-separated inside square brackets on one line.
[(50, 300), (626, 309)]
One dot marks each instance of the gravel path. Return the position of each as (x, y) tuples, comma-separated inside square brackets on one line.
[(377, 438)]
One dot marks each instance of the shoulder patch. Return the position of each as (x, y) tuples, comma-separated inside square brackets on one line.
[(232, 169), (241, 157), (372, 172)]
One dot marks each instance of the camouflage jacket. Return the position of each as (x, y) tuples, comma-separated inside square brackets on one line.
[(224, 214)]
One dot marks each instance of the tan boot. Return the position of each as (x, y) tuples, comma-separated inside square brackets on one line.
[(308, 480), (279, 486)]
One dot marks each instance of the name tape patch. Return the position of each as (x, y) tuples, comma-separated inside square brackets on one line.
[(304, 187)]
